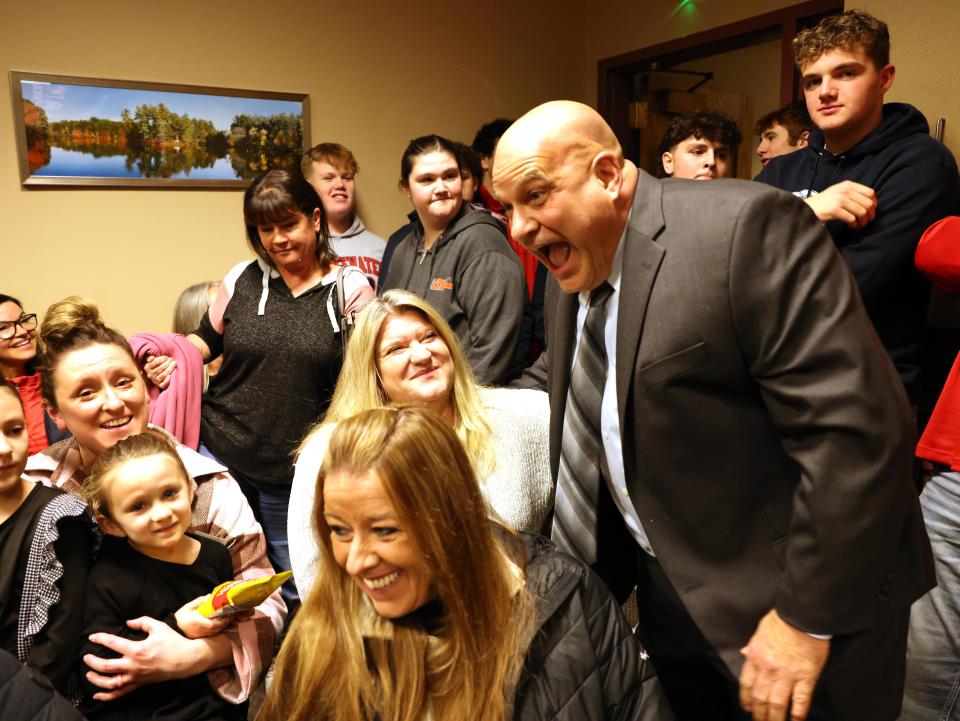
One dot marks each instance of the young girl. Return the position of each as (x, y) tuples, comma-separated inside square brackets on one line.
[(150, 566), (46, 539)]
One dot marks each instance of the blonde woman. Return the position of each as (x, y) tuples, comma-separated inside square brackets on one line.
[(423, 609), (402, 351)]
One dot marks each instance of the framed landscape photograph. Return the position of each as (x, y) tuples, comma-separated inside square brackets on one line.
[(113, 133)]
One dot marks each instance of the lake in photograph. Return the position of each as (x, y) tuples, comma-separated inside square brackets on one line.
[(90, 131)]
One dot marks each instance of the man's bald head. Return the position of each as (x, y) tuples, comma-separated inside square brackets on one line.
[(560, 127), (560, 172)]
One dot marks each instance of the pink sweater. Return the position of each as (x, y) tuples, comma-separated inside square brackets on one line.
[(176, 408)]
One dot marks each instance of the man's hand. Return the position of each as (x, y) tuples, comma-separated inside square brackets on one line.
[(163, 655), (782, 667), (194, 625), (848, 202)]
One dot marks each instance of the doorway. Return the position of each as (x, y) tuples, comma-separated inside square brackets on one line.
[(744, 69)]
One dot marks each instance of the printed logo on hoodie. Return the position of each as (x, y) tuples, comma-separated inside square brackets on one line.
[(441, 284)]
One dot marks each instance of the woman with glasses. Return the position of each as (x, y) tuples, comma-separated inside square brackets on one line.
[(18, 355)]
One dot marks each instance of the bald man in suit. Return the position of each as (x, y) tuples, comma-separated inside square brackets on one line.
[(755, 442)]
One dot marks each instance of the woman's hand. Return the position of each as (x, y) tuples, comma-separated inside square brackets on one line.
[(163, 655), (158, 370), (194, 625)]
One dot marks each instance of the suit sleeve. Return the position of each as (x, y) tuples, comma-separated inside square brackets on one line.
[(838, 407), (492, 293)]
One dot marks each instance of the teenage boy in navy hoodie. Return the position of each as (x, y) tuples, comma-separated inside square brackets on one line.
[(872, 173)]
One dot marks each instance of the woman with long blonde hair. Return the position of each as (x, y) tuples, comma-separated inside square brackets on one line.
[(402, 351), (424, 609)]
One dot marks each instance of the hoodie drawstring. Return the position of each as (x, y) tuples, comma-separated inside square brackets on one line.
[(265, 282)]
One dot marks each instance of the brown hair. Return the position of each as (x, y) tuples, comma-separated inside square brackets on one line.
[(849, 30), (343, 661), (337, 155), (69, 324), (710, 124), (95, 488), (277, 196), (4, 383), (421, 146), (792, 116)]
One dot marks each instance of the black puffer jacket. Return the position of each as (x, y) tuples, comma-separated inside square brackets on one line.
[(27, 695), (585, 664)]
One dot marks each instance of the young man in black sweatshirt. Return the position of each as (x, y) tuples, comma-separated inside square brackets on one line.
[(872, 173)]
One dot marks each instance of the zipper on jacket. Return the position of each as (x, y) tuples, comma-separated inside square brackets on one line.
[(427, 250)]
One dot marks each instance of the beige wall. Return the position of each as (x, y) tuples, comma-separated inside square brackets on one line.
[(925, 51), (390, 70), (377, 74)]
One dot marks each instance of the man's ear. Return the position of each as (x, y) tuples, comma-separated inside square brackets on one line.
[(887, 74), (804, 139), (110, 527), (607, 169), (667, 161)]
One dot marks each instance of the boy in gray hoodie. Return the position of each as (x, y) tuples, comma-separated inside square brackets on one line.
[(330, 168)]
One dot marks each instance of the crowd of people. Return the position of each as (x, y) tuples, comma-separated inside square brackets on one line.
[(575, 443)]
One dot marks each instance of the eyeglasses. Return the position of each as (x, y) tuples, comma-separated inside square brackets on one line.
[(8, 329)]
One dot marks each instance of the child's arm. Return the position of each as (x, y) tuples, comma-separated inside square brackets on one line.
[(193, 625)]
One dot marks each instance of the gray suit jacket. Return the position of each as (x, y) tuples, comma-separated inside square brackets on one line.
[(767, 439)]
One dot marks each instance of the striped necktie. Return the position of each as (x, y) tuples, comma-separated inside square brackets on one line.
[(581, 450)]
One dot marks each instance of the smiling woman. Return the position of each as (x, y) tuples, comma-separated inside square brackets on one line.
[(18, 360), (424, 609), (402, 351), (94, 389)]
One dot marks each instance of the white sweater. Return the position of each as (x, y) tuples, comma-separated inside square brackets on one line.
[(519, 493)]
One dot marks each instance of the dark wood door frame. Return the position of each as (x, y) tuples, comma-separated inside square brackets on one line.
[(615, 82)]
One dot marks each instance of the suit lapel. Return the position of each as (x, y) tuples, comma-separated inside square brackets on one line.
[(641, 261)]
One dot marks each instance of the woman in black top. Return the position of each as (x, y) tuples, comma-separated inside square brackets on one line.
[(46, 539), (276, 322)]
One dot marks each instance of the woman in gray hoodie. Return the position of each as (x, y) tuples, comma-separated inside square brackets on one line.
[(458, 259)]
